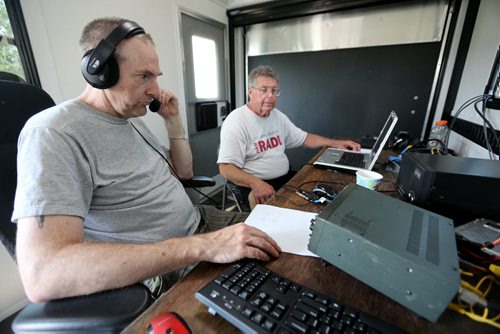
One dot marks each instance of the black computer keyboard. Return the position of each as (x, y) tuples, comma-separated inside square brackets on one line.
[(257, 300), (351, 159)]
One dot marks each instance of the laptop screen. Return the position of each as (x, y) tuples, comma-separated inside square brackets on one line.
[(384, 134)]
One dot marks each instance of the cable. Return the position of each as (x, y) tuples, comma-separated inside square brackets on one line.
[(491, 127), (421, 146), (485, 129), (474, 100), (289, 200), (292, 188), (307, 195), (487, 124), (387, 191), (170, 166), (484, 318), (472, 296), (472, 265), (460, 109), (321, 181), (206, 196), (154, 148)]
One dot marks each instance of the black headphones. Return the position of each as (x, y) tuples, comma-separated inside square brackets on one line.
[(98, 66)]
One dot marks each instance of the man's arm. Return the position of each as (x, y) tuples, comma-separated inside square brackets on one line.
[(55, 262), (261, 190), (315, 141), (180, 150)]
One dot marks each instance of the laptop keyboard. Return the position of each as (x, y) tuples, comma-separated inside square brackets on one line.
[(351, 159), (258, 300)]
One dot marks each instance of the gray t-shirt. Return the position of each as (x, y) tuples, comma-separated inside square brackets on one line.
[(75, 160)]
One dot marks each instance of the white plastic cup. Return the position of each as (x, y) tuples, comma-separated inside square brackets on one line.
[(368, 179)]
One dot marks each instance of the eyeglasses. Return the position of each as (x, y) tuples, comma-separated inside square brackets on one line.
[(265, 91)]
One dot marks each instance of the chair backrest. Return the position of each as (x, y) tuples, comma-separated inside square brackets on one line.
[(11, 77), (18, 102), (231, 193)]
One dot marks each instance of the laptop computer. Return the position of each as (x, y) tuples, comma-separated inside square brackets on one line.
[(337, 158)]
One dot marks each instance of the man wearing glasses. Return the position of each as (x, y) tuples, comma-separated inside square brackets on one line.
[(254, 138)]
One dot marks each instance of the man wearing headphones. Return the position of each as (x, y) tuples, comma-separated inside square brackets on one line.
[(97, 206)]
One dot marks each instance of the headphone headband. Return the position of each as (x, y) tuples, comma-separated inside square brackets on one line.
[(99, 67), (107, 46)]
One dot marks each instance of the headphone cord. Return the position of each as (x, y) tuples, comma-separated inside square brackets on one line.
[(171, 167), (157, 151)]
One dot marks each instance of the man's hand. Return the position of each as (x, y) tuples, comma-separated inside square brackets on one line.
[(347, 144), (315, 141), (237, 242), (261, 191), (169, 104)]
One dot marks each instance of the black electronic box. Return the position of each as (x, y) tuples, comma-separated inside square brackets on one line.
[(468, 184)]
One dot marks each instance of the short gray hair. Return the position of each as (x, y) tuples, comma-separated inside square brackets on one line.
[(99, 29), (262, 71)]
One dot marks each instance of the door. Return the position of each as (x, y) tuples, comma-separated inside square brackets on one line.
[(205, 88)]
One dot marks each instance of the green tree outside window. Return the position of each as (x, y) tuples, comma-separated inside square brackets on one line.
[(10, 60)]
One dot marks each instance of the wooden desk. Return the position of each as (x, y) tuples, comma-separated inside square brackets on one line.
[(311, 272)]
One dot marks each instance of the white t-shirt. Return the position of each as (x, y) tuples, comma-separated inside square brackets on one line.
[(257, 144)]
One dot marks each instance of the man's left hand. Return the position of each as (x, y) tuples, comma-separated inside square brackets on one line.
[(347, 144)]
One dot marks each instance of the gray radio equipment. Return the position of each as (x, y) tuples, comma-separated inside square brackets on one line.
[(405, 252)]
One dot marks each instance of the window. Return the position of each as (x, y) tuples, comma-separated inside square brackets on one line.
[(205, 67), (10, 61), (16, 58)]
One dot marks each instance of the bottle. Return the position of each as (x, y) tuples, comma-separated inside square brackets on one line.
[(438, 131)]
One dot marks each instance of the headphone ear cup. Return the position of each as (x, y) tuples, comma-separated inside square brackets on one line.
[(107, 77)]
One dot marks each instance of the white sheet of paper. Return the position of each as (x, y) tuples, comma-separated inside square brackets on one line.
[(288, 227)]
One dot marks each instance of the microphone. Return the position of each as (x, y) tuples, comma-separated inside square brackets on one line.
[(154, 106)]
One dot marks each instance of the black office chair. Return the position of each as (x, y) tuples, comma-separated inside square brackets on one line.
[(11, 77), (198, 181), (231, 194), (240, 195), (104, 312), (18, 102), (230, 198)]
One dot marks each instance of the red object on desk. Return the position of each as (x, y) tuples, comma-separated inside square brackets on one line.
[(169, 323)]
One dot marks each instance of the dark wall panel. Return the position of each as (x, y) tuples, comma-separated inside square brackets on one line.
[(350, 92)]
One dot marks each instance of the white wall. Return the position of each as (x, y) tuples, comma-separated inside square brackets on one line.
[(482, 50), (54, 27), (12, 297)]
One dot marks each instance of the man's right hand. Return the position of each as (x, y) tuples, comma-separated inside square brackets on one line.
[(262, 191), (239, 241)]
